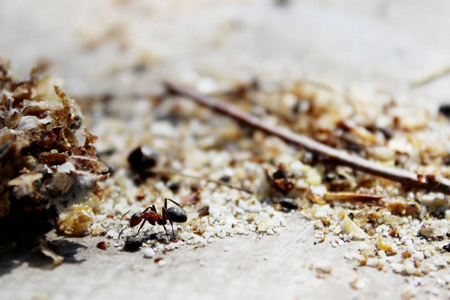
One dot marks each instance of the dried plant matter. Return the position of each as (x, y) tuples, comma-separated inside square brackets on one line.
[(329, 154), (42, 162)]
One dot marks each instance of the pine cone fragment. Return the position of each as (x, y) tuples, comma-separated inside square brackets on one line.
[(42, 163)]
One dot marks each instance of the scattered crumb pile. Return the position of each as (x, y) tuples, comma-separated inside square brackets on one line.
[(42, 162), (232, 180), (207, 163)]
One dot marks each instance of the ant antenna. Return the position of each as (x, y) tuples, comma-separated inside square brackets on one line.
[(124, 214), (118, 238)]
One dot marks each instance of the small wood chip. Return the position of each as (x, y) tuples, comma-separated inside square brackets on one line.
[(353, 197)]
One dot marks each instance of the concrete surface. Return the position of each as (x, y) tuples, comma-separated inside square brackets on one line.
[(255, 267), (380, 44)]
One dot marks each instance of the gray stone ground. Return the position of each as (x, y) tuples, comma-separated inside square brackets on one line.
[(379, 44)]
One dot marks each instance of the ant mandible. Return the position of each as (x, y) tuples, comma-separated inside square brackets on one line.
[(172, 214)]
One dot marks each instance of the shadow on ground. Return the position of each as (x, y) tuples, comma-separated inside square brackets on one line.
[(20, 240)]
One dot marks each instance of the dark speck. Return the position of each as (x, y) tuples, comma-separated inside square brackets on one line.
[(387, 132), (132, 244), (102, 245), (309, 158), (288, 203), (111, 169), (445, 110), (329, 177), (447, 161), (196, 187), (174, 186), (225, 178), (142, 158), (204, 211)]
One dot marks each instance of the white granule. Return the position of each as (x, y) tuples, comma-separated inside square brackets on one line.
[(359, 283), (162, 263), (418, 256), (149, 252), (66, 167), (297, 168), (409, 267), (112, 234), (318, 190), (264, 222)]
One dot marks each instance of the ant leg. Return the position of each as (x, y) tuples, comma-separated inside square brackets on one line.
[(124, 214), (142, 225), (118, 238), (165, 202), (167, 217), (150, 207), (173, 232), (163, 220), (167, 234)]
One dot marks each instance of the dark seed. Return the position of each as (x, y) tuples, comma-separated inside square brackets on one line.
[(174, 186), (445, 110), (102, 245), (289, 203), (225, 178), (143, 158), (446, 247), (132, 244)]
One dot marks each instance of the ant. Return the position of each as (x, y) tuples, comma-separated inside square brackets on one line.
[(172, 214)]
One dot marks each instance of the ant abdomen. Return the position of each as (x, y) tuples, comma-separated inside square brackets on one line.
[(177, 214)]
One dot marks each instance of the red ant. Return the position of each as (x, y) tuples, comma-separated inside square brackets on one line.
[(172, 214)]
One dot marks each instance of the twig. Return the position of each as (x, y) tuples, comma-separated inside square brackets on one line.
[(351, 197), (326, 153), (437, 74)]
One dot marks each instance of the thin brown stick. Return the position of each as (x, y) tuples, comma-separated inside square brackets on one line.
[(326, 153), (435, 75), (351, 197)]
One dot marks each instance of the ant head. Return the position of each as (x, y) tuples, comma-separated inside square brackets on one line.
[(177, 214), (135, 219)]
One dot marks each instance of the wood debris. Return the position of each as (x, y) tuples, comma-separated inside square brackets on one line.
[(43, 164)]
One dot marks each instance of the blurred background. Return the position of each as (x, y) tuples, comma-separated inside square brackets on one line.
[(123, 46), (128, 47)]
